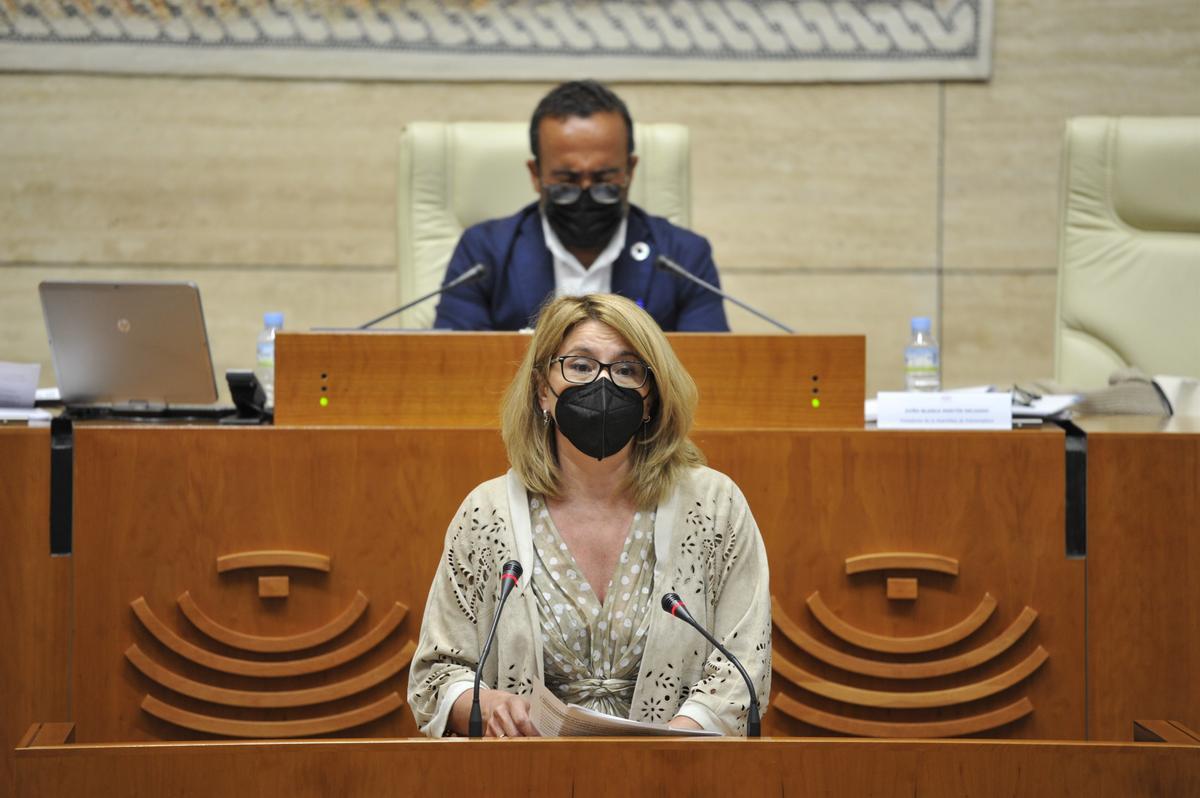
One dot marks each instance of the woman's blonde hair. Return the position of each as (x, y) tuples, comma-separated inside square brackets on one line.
[(661, 451)]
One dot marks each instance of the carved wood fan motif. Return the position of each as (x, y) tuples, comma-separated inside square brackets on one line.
[(261, 661), (903, 663)]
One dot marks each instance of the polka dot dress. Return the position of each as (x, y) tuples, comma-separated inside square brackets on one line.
[(592, 652)]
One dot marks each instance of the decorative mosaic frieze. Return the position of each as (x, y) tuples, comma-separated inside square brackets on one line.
[(638, 40)]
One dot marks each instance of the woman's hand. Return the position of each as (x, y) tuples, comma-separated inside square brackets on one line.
[(504, 714), (684, 722)]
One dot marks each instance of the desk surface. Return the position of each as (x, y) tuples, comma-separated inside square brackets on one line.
[(613, 766), (1140, 425)]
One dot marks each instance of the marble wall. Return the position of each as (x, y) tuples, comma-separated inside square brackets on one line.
[(838, 208)]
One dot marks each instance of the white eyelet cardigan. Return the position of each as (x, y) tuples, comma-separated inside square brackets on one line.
[(708, 550)]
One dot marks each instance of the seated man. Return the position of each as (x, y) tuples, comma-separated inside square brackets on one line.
[(582, 236)]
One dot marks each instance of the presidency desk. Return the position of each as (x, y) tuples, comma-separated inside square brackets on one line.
[(165, 625)]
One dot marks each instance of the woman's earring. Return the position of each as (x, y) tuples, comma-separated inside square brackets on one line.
[(545, 417)]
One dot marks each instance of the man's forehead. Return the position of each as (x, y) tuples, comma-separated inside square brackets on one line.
[(604, 130)]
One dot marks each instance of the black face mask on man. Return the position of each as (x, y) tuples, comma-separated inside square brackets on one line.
[(599, 418), (585, 223)]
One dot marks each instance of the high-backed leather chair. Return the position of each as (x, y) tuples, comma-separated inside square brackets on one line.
[(1129, 249), (454, 175)]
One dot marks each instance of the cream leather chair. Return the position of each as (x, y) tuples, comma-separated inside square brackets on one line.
[(454, 175), (1129, 249)]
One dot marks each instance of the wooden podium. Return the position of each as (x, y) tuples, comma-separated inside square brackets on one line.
[(338, 532), (611, 767), (868, 567), (432, 379)]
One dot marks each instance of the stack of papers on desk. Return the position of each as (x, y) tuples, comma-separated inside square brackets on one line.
[(18, 387), (553, 718)]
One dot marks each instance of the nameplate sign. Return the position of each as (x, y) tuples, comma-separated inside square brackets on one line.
[(921, 410)]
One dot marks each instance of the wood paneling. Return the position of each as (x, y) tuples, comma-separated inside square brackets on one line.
[(991, 501), (1164, 731), (35, 619), (240, 640), (458, 379), (1143, 526), (155, 509), (615, 767), (377, 501), (891, 644)]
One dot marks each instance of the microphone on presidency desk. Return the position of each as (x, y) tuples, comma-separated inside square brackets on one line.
[(673, 604), (508, 580), (667, 265), (476, 272)]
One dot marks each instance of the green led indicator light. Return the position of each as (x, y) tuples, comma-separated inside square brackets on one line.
[(816, 402), (325, 401)]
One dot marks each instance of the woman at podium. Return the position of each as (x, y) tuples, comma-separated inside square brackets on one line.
[(608, 505)]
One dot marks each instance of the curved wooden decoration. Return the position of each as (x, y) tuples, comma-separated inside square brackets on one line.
[(278, 558), (901, 670), (262, 643), (917, 700), (307, 727), (269, 699), (901, 560), (874, 728), (901, 645), (246, 667)]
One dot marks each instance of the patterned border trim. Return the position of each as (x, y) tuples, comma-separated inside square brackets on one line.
[(640, 40)]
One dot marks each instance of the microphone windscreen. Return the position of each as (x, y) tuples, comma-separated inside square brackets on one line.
[(512, 568), (670, 601)]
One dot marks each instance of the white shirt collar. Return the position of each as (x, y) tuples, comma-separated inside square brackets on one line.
[(570, 276)]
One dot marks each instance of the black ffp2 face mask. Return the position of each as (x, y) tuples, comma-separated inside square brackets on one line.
[(599, 418), (584, 224)]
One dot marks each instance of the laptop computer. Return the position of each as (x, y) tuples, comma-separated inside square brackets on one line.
[(130, 348)]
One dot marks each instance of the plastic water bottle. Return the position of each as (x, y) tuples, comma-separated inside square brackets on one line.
[(922, 361), (265, 371)]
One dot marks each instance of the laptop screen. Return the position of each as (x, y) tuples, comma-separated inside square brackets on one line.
[(128, 344)]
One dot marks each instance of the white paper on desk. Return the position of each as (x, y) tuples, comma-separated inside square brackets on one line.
[(553, 718), (18, 383), (939, 410), (23, 414), (1046, 406)]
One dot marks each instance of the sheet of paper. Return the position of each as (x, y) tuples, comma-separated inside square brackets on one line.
[(553, 718), (1046, 406), (18, 383), (23, 414), (941, 410)]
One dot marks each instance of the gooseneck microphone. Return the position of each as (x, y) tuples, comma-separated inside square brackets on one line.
[(667, 265), (472, 274), (508, 580), (673, 604)]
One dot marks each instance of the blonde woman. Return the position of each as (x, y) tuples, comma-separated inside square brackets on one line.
[(608, 505)]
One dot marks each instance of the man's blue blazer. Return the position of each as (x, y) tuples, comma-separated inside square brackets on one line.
[(520, 275)]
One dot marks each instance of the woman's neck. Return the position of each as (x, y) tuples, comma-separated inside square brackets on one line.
[(590, 480)]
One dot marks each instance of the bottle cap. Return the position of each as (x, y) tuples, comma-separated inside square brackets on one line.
[(920, 324), (274, 319)]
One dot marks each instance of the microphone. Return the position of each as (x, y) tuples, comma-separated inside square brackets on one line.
[(472, 274), (672, 603), (508, 580), (667, 265)]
